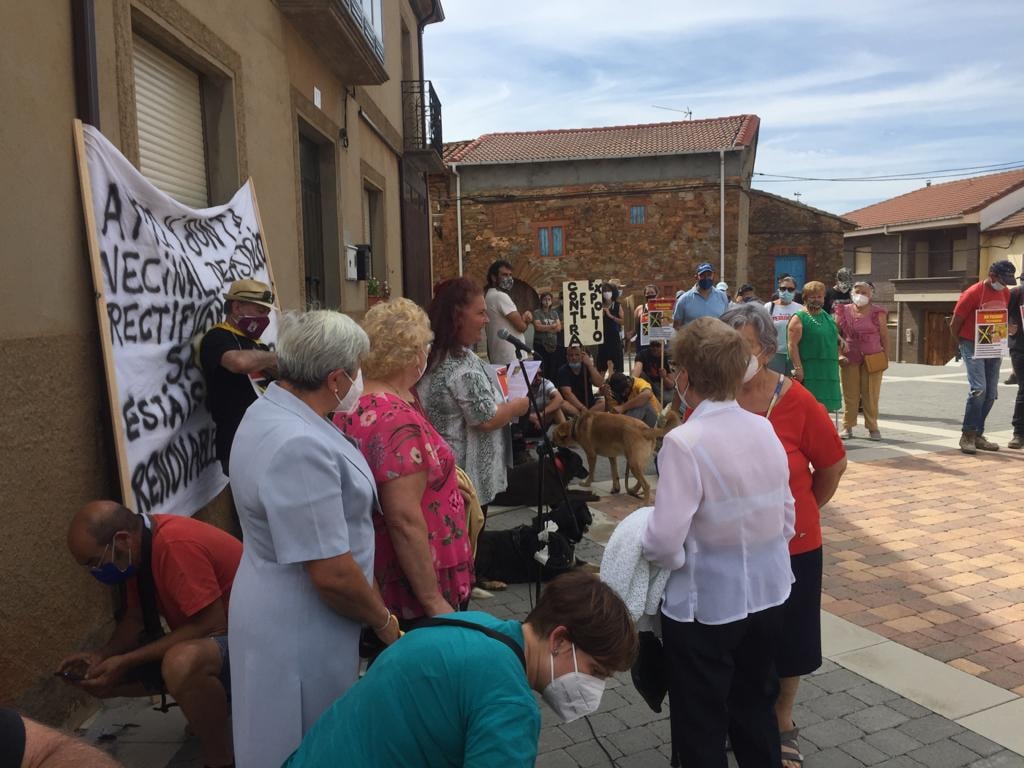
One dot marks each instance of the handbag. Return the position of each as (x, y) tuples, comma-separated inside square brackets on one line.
[(650, 671), (876, 362)]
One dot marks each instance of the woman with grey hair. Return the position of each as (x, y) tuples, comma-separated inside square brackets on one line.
[(305, 497), (816, 462)]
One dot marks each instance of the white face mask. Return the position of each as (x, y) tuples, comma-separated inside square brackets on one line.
[(997, 286), (347, 403), (574, 694), (752, 368), (607, 295), (860, 299)]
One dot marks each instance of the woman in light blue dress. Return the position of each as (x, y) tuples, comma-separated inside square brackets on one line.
[(304, 588)]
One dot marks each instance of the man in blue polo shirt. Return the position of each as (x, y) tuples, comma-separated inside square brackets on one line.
[(700, 301)]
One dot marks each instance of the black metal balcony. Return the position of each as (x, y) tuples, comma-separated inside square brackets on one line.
[(421, 125), (342, 34)]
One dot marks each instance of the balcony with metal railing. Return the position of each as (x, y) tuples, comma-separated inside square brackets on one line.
[(421, 125), (346, 33)]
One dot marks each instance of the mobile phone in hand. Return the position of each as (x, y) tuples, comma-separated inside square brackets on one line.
[(71, 675)]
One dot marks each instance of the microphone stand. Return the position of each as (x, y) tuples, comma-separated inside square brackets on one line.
[(544, 453)]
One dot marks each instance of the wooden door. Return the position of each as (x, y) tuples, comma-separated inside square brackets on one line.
[(939, 347)]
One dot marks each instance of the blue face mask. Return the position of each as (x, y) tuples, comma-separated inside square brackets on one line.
[(786, 295), (110, 574), (705, 283), (575, 367)]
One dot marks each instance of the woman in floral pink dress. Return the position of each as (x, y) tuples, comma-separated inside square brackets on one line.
[(423, 562)]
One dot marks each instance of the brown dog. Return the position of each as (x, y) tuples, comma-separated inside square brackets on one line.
[(612, 435)]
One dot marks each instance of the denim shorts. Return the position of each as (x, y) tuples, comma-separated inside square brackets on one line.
[(152, 679)]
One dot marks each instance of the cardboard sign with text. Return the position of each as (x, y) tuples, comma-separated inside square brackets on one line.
[(991, 333), (656, 323), (581, 312)]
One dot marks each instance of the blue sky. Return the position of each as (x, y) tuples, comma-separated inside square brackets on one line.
[(843, 89)]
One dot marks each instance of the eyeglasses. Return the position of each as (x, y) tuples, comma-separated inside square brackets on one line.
[(97, 563)]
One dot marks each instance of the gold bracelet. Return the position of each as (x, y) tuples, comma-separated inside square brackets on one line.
[(387, 621)]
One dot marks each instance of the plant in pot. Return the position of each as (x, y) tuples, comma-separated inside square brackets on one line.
[(376, 291)]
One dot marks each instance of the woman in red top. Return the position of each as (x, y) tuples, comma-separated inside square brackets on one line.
[(816, 462), (422, 561)]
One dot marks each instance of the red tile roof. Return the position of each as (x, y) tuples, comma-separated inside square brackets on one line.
[(939, 201), (451, 147), (653, 139), (1013, 221)]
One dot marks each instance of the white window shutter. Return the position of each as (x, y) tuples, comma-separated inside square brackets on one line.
[(172, 149)]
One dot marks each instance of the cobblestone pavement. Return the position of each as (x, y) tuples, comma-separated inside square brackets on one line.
[(845, 719)]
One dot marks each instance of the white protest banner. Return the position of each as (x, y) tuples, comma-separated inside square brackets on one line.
[(160, 270), (581, 312)]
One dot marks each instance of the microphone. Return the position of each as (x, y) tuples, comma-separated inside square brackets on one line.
[(519, 344)]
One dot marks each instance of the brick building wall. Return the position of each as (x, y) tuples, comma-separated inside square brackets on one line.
[(780, 227), (680, 230)]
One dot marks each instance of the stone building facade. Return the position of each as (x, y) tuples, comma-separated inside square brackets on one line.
[(638, 218), (785, 232), (637, 203)]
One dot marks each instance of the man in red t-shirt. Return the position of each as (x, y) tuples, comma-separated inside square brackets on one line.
[(172, 567), (982, 374)]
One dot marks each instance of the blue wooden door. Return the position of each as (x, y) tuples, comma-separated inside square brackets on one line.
[(792, 265)]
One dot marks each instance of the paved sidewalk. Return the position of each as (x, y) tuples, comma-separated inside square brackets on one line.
[(927, 551)]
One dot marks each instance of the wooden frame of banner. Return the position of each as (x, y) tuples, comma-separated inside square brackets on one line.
[(113, 396), (266, 248)]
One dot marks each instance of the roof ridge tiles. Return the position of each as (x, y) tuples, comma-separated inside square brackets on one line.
[(956, 197), (611, 141)]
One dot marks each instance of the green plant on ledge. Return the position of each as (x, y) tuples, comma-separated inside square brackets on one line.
[(378, 289)]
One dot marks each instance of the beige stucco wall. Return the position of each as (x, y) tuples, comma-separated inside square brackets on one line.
[(995, 246), (55, 446)]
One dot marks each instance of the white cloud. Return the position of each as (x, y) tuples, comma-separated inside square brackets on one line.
[(842, 89)]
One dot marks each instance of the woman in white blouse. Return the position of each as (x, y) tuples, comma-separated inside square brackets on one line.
[(722, 518)]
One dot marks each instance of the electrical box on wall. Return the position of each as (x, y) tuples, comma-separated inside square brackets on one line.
[(350, 263), (357, 261)]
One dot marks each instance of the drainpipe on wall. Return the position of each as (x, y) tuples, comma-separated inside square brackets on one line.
[(899, 306), (83, 35), (458, 211), (721, 211)]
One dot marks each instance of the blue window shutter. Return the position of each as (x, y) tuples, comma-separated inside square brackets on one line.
[(638, 214), (542, 234), (556, 241)]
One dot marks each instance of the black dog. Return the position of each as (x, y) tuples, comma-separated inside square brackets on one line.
[(522, 481), (508, 555)]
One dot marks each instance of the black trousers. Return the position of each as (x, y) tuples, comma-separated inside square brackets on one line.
[(1017, 360), (722, 682)]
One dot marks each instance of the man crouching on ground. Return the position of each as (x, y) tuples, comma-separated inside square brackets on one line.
[(170, 566)]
